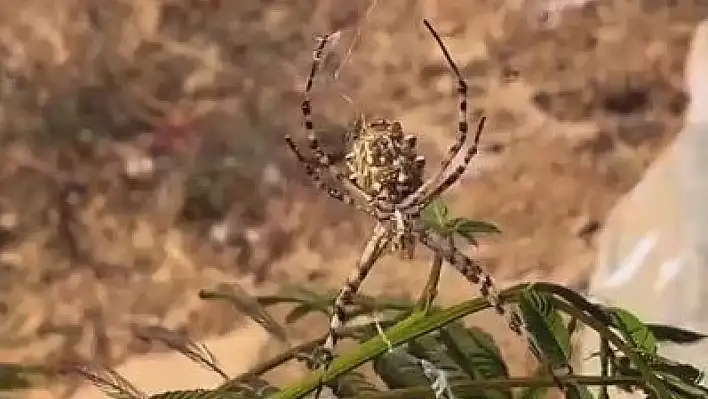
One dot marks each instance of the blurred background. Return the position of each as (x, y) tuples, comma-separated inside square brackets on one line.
[(142, 153)]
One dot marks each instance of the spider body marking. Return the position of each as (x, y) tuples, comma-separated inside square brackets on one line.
[(383, 162)]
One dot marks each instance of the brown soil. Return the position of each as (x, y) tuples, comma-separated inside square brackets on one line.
[(576, 112)]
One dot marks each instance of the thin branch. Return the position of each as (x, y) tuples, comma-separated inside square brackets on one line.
[(604, 365), (264, 367)]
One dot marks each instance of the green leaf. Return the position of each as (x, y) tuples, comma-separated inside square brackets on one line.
[(471, 239), (435, 216), (354, 384), (105, 379), (684, 371), (300, 296), (202, 394), (194, 351), (248, 388), (577, 300), (466, 227), (578, 392), (633, 330), (469, 229), (680, 378), (474, 350), (399, 369), (411, 327), (546, 325), (249, 385), (676, 335), (536, 392), (599, 320), (430, 348), (294, 294), (684, 388), (248, 304)]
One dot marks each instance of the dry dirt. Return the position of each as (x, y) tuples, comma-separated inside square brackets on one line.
[(192, 97)]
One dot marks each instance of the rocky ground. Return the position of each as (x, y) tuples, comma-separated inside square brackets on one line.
[(143, 156)]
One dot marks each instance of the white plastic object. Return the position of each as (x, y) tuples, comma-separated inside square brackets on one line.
[(653, 251)]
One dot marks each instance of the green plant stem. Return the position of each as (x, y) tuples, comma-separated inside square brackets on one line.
[(414, 326), (419, 324), (468, 386)]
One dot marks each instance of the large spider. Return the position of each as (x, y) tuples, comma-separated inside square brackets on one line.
[(383, 177)]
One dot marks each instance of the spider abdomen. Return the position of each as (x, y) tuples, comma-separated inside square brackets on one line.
[(383, 162)]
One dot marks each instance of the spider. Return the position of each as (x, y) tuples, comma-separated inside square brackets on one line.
[(383, 177)]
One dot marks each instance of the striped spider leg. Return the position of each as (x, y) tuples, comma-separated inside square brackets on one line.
[(432, 188)]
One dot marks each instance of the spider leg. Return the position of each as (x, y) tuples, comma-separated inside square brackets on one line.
[(456, 173), (462, 125), (325, 161), (312, 171), (473, 271), (372, 251), (322, 160), (430, 291)]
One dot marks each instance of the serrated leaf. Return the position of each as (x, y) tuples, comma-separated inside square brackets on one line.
[(547, 327), (475, 351), (105, 379), (248, 304), (471, 240), (194, 351), (469, 227), (399, 369), (202, 394), (682, 379), (435, 216), (534, 393), (575, 391), (249, 385), (354, 384), (676, 335), (633, 330), (577, 300), (683, 371), (684, 388), (299, 295), (432, 349), (411, 327)]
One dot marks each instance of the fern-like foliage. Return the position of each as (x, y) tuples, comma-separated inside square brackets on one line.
[(429, 352)]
